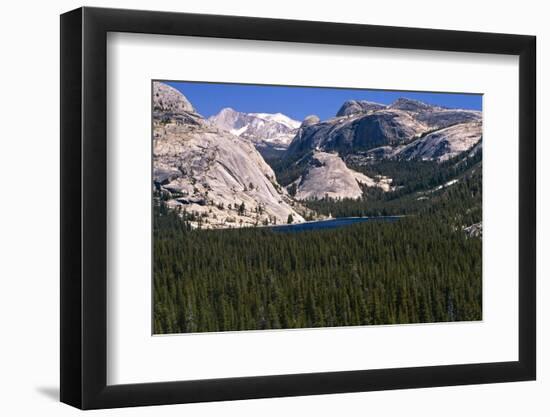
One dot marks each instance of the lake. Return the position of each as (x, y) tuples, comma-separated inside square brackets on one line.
[(332, 223)]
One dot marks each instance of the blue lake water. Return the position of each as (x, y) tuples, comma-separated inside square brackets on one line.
[(332, 223)]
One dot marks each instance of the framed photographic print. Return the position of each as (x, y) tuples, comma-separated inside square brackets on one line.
[(257, 208)]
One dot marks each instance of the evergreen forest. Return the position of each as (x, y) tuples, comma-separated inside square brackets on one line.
[(422, 268)]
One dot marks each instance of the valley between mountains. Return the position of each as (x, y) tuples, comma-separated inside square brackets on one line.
[(370, 216), (238, 169)]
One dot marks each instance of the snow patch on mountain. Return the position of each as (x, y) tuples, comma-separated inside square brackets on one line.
[(262, 129), (278, 118)]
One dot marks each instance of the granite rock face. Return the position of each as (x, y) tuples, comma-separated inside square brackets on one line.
[(356, 132), (210, 173), (443, 144), (215, 169), (474, 231), (435, 117), (327, 176), (310, 120), (351, 107), (169, 100), (410, 105), (363, 132), (382, 131)]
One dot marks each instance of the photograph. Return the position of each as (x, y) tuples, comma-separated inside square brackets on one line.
[(269, 209), (287, 207)]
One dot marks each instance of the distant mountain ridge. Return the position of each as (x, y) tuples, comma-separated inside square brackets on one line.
[(363, 126), (217, 169), (264, 130), (358, 106), (364, 132), (357, 131)]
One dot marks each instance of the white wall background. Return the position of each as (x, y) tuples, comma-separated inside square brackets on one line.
[(29, 219)]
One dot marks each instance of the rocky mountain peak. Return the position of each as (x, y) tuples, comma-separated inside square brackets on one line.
[(408, 104), (228, 110), (228, 113), (214, 176), (168, 99), (215, 171), (328, 176), (443, 144), (310, 120), (358, 106), (267, 131), (227, 119), (365, 131)]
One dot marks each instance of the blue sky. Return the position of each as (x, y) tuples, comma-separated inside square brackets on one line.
[(299, 102)]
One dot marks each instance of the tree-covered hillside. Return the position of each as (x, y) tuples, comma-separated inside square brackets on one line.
[(452, 191), (418, 269)]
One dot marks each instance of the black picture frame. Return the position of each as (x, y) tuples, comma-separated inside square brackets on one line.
[(84, 207)]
